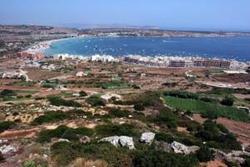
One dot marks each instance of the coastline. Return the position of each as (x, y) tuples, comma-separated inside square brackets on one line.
[(159, 61)]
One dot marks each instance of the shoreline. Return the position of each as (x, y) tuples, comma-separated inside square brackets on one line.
[(160, 61)]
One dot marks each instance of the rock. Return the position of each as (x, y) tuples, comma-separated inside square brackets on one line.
[(180, 148), (63, 140), (127, 142), (147, 137), (84, 140), (2, 141), (123, 141), (80, 74), (6, 149)]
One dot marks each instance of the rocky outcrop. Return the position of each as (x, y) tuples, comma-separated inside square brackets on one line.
[(147, 137), (6, 149), (123, 141), (234, 156), (180, 148)]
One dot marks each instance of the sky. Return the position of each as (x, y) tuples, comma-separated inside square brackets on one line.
[(220, 15)]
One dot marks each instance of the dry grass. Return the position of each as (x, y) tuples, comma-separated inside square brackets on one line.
[(81, 162)]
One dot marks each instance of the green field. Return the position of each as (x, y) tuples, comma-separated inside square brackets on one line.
[(198, 106)]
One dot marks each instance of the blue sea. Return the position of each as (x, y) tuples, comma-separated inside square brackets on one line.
[(237, 48)]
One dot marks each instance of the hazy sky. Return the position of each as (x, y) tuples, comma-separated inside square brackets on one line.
[(171, 14)]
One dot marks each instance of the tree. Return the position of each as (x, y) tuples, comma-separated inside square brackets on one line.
[(139, 107), (7, 92), (246, 163), (6, 125), (227, 101), (95, 101), (83, 94), (1, 157), (248, 70), (204, 154), (2, 44)]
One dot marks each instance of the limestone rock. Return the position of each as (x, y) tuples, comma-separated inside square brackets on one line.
[(147, 137), (180, 148), (123, 141)]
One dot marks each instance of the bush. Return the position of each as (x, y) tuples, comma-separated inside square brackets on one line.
[(57, 101), (7, 92), (30, 164), (64, 153), (50, 117), (152, 158), (65, 133), (248, 70), (119, 130), (246, 163), (6, 125), (227, 101), (95, 101), (210, 114), (193, 126), (204, 154), (164, 137), (218, 136), (139, 107), (119, 113), (83, 94), (166, 118), (1, 157), (181, 94)]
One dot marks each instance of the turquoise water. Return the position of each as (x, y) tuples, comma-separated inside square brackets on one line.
[(221, 47)]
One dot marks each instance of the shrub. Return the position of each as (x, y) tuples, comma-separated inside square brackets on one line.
[(136, 86), (248, 70), (167, 118), (152, 158), (164, 137), (193, 126), (119, 113), (50, 117), (63, 132), (227, 101), (119, 130), (210, 114), (95, 101), (139, 107), (57, 101), (181, 94), (1, 157), (218, 136), (64, 153), (204, 154), (29, 164), (83, 94), (246, 163), (7, 92), (5, 125)]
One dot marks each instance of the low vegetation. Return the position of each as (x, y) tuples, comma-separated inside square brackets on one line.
[(150, 158), (95, 101), (7, 92), (58, 101), (64, 153), (63, 132), (217, 136), (120, 130), (50, 117), (207, 108), (5, 125), (204, 154)]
